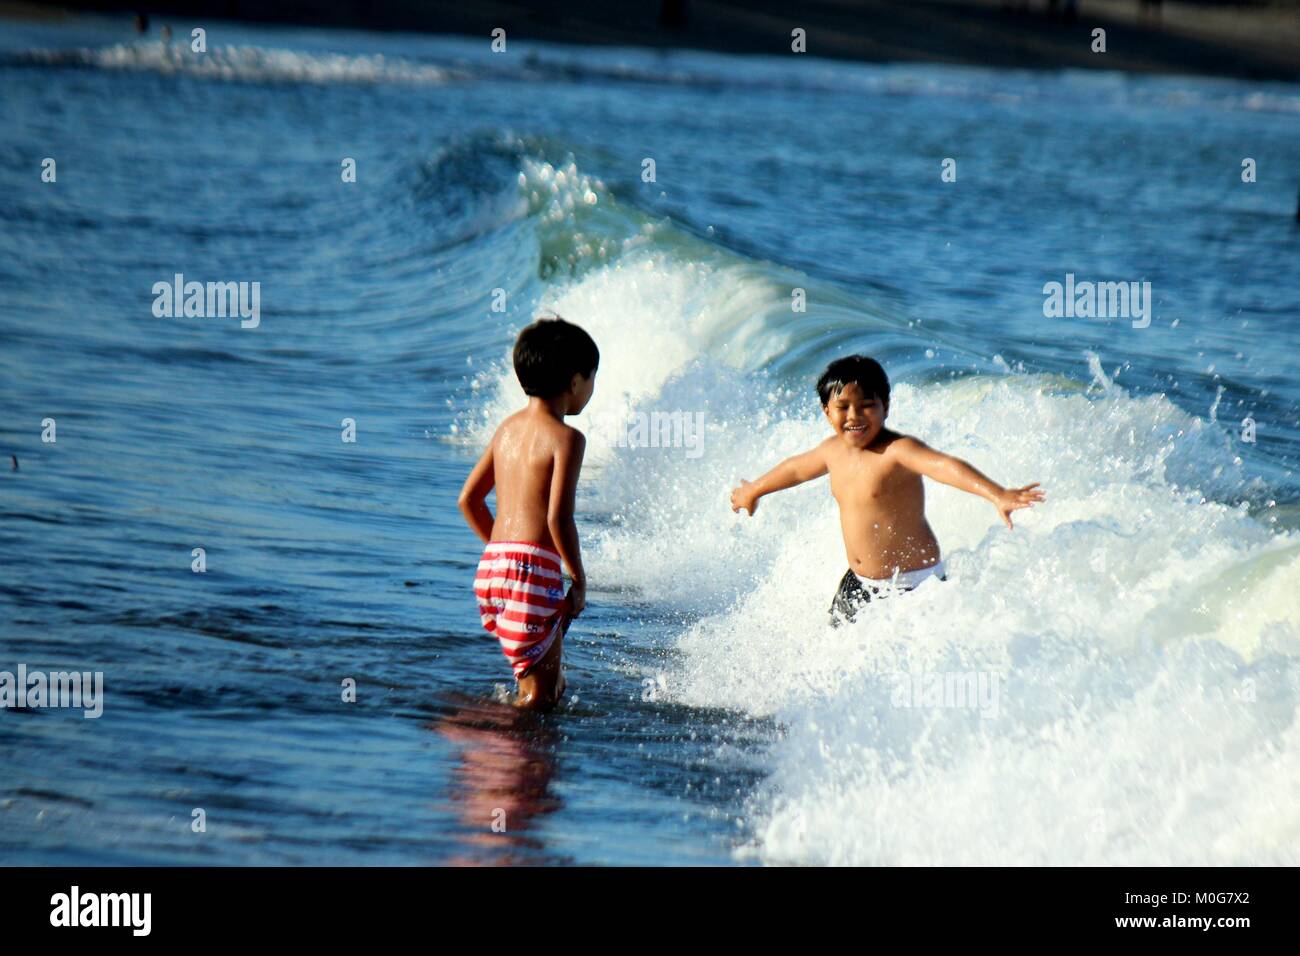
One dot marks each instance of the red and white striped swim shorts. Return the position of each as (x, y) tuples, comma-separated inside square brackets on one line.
[(521, 599)]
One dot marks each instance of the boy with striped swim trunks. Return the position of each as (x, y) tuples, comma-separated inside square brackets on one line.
[(875, 477), (533, 461)]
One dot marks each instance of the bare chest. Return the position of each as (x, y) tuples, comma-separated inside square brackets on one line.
[(865, 480)]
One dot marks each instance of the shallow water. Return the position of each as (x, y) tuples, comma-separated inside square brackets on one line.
[(1138, 637)]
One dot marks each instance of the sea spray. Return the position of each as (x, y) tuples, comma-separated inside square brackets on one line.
[(1142, 629)]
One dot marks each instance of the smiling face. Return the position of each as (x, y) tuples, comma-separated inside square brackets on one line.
[(855, 417)]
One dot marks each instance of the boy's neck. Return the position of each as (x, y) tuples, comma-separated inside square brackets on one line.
[(557, 407), (882, 439)]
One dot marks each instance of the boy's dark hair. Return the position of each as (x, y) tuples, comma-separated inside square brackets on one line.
[(549, 353), (858, 370)]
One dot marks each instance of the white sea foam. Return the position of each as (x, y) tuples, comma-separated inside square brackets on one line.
[(1143, 638), (1146, 647), (1145, 643), (247, 63)]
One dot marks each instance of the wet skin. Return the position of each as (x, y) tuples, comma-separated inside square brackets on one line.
[(875, 477), (533, 461)]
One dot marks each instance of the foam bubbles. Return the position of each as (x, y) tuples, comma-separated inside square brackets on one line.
[(1142, 645), (1141, 630)]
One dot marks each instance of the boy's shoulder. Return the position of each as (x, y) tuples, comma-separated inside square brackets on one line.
[(508, 424), (560, 433), (892, 438), (573, 436), (825, 449), (907, 451), (893, 444)]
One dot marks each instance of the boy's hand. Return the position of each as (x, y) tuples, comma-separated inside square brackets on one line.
[(577, 598), (746, 497), (1012, 499)]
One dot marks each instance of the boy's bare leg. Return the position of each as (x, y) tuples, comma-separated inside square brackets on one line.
[(543, 686)]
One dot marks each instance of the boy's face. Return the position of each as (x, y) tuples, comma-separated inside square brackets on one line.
[(581, 389), (855, 417)]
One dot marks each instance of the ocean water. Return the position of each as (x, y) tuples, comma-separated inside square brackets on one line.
[(1131, 651)]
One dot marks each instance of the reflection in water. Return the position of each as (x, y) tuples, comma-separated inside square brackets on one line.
[(500, 784)]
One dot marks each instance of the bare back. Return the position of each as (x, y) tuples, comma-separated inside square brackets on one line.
[(882, 508), (524, 451)]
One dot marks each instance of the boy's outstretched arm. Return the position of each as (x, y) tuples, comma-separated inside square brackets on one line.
[(793, 471), (917, 456), (560, 510), (473, 496)]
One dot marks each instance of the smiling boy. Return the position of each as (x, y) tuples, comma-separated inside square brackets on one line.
[(876, 480)]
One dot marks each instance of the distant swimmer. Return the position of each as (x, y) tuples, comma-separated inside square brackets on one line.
[(875, 477), (141, 23)]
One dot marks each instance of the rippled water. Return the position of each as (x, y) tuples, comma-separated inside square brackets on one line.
[(1143, 628)]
